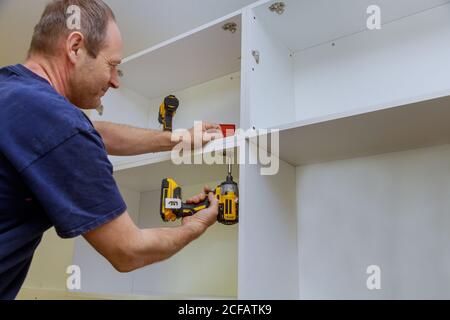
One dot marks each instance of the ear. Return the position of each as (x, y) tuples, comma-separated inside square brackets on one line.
[(74, 46)]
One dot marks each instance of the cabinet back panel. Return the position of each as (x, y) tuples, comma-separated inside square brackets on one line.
[(205, 268), (97, 274), (125, 107), (392, 211), (406, 58), (216, 101)]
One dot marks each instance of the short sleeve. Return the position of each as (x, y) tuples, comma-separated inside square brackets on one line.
[(74, 184)]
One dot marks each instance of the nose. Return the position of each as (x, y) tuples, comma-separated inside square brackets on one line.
[(114, 81)]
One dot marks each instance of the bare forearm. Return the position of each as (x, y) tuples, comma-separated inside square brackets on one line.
[(128, 248), (122, 140), (160, 244)]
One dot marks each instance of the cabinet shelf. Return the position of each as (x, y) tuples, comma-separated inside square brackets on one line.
[(408, 125), (196, 57), (220, 145), (147, 173)]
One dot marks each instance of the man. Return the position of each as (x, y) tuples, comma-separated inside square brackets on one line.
[(54, 169)]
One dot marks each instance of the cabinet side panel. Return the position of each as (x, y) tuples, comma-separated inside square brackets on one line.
[(391, 211), (245, 68), (406, 59), (268, 261), (271, 81)]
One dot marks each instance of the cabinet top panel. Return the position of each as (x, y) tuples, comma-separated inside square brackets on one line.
[(201, 55), (307, 23)]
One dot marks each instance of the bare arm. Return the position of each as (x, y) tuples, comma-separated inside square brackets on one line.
[(129, 248), (123, 140)]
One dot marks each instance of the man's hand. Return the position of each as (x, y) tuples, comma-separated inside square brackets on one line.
[(209, 131), (202, 220)]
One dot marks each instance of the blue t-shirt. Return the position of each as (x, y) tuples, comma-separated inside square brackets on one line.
[(54, 171)]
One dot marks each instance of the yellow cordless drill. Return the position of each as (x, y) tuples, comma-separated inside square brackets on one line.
[(167, 111), (172, 207)]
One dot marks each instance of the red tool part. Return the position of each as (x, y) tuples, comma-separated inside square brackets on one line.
[(228, 130)]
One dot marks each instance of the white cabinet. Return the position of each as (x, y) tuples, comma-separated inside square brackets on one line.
[(202, 68), (364, 152)]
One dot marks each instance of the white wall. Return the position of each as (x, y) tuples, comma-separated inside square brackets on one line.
[(391, 210)]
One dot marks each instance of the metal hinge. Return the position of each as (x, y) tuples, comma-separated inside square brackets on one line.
[(230, 26), (278, 7)]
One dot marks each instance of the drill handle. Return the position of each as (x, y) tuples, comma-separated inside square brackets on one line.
[(168, 122), (189, 209)]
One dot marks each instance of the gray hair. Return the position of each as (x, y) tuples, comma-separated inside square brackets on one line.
[(52, 27)]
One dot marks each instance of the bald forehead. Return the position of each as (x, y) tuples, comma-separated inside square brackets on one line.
[(114, 43)]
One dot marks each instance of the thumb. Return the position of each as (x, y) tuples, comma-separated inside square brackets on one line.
[(214, 203)]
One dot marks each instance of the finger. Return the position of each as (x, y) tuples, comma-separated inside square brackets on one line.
[(210, 126), (214, 203), (192, 200), (199, 198), (207, 190), (202, 197), (213, 130)]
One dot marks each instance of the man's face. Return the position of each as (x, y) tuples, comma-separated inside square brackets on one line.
[(92, 78)]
